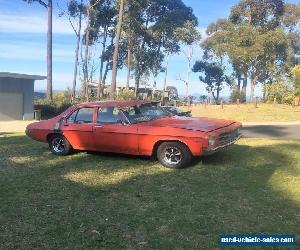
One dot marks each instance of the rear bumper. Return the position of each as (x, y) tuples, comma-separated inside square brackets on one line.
[(212, 150)]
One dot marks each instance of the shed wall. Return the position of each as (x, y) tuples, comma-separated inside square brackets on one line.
[(16, 87)]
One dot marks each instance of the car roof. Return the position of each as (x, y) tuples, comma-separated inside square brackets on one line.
[(119, 104)]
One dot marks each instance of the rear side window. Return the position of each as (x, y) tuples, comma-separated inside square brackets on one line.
[(83, 115)]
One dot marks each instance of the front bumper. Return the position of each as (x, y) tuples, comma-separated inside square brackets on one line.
[(214, 149)]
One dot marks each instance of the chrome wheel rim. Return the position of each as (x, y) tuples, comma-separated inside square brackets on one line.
[(172, 155), (58, 145)]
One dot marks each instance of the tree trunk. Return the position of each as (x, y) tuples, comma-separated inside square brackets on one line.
[(154, 85), (218, 94), (76, 58), (128, 63), (138, 59), (244, 87), (49, 52), (264, 92), (213, 95), (239, 84), (166, 72), (188, 70), (156, 66), (137, 82), (105, 76), (116, 51), (85, 68), (253, 83), (99, 92)]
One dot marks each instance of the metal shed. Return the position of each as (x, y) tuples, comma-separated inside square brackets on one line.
[(17, 96)]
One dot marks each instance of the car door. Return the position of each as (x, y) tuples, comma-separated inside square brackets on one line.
[(78, 128), (113, 135)]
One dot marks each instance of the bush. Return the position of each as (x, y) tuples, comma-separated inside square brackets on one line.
[(60, 102), (283, 92), (125, 94), (236, 94), (296, 78)]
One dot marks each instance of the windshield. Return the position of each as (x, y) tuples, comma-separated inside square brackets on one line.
[(144, 113)]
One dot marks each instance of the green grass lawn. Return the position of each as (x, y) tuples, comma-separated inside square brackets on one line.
[(248, 113), (98, 201)]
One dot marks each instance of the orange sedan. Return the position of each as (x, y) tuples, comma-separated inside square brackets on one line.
[(137, 128)]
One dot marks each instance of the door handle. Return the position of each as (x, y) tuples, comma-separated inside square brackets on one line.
[(98, 126)]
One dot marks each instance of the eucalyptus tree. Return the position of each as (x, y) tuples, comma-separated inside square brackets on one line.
[(75, 12), (103, 21), (108, 59), (116, 50), (150, 29), (291, 16), (262, 19), (213, 75), (48, 5), (259, 13), (189, 35), (291, 24), (169, 16), (252, 39)]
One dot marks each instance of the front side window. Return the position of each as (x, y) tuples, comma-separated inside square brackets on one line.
[(83, 115), (72, 117), (110, 115)]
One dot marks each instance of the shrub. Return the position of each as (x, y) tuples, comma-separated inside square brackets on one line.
[(236, 94), (60, 102), (296, 78), (282, 91), (125, 94)]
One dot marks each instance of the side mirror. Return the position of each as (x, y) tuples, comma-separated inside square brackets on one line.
[(63, 120)]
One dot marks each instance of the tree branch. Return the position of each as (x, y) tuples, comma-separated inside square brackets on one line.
[(42, 3), (178, 78), (72, 25)]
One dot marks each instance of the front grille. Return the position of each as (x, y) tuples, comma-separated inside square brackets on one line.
[(228, 137)]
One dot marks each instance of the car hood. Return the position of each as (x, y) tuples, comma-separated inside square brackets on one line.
[(203, 124)]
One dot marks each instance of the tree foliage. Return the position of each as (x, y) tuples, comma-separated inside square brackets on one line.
[(213, 75), (255, 41)]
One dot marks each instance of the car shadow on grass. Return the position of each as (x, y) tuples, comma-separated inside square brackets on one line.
[(114, 202)]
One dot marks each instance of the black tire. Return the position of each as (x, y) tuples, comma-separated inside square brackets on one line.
[(59, 145), (174, 155)]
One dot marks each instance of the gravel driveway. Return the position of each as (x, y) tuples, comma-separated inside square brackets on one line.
[(14, 126)]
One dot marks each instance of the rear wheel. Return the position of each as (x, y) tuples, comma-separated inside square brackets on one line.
[(59, 145), (174, 155)]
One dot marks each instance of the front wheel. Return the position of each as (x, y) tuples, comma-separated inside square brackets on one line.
[(59, 145), (174, 155)]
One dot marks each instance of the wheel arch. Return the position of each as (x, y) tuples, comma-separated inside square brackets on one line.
[(158, 143), (52, 134)]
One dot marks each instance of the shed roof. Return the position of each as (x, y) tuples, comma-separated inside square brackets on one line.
[(21, 76)]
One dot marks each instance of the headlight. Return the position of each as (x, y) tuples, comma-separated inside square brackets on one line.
[(211, 141)]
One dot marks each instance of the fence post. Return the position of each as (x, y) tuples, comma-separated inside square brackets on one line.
[(255, 102), (238, 102), (222, 104)]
